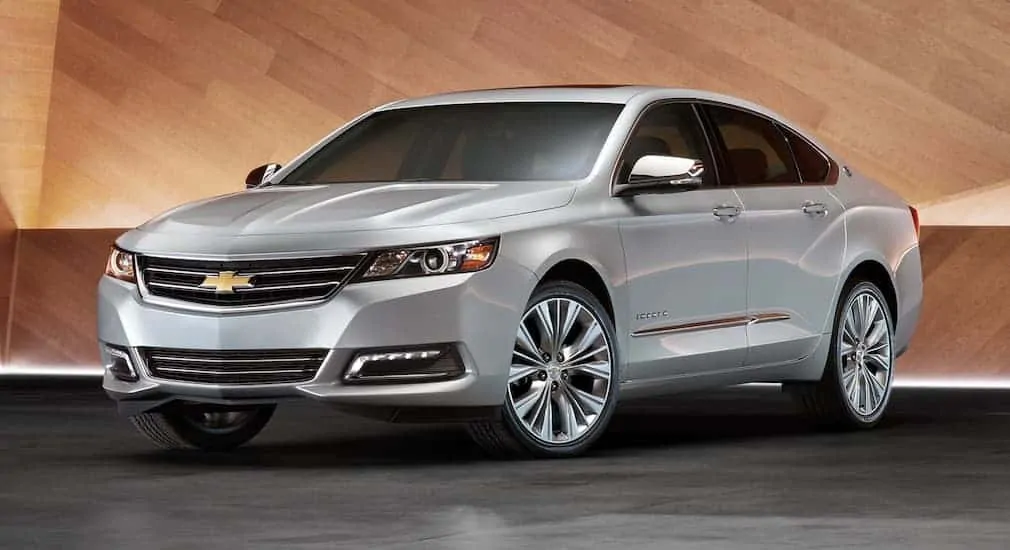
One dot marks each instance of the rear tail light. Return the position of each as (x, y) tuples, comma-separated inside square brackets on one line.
[(915, 220)]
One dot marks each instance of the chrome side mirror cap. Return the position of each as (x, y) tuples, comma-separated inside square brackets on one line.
[(676, 173), (259, 175)]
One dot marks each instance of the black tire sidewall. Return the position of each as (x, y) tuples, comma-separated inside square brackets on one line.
[(852, 291), (211, 441), (564, 289)]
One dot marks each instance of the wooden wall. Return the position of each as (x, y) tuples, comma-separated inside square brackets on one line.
[(155, 102), (27, 40), (53, 313), (8, 242), (965, 327)]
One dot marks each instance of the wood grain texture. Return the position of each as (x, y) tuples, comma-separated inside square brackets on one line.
[(989, 205), (8, 242), (964, 332), (965, 325), (27, 40), (157, 102), (53, 320)]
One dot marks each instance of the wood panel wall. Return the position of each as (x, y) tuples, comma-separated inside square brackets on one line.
[(156, 102), (8, 242), (965, 325), (53, 320), (27, 40), (964, 333)]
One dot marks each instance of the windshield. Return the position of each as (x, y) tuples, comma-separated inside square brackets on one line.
[(472, 142)]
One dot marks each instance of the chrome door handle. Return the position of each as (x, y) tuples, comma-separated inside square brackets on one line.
[(726, 211), (815, 208)]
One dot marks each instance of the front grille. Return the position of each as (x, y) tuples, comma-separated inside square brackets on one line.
[(248, 282), (234, 367)]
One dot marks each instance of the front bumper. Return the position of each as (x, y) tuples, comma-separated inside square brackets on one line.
[(477, 312)]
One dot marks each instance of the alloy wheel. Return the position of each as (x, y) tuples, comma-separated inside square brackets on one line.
[(865, 354), (562, 369)]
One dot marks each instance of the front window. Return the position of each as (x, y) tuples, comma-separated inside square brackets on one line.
[(470, 142)]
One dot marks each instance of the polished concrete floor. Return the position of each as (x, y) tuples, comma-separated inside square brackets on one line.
[(734, 469)]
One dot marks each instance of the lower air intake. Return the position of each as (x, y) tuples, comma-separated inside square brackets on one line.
[(234, 366)]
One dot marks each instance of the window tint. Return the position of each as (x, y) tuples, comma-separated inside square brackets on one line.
[(477, 142), (672, 129), (755, 149), (814, 168)]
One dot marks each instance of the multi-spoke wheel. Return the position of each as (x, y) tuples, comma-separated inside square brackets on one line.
[(864, 352), (856, 386), (191, 426), (562, 382)]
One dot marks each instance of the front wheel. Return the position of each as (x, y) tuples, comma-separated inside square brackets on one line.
[(203, 427), (562, 386), (856, 386)]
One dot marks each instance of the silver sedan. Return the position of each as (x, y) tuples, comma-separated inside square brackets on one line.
[(518, 260)]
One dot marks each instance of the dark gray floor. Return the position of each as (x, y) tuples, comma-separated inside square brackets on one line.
[(716, 471)]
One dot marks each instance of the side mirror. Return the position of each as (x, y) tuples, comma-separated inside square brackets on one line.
[(661, 173), (260, 174)]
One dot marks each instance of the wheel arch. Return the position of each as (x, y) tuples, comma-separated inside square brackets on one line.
[(874, 270), (584, 274)]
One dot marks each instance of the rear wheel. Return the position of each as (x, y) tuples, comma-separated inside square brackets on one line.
[(204, 427), (856, 386), (562, 386)]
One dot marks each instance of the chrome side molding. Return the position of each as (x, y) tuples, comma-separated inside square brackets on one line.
[(725, 322)]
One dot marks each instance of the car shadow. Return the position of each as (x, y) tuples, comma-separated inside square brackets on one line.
[(643, 427)]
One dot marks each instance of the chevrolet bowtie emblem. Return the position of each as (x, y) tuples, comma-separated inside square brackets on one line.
[(226, 282)]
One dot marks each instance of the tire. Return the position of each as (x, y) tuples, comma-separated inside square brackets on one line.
[(188, 426), (828, 402), (577, 396)]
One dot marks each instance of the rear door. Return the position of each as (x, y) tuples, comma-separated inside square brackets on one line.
[(796, 235)]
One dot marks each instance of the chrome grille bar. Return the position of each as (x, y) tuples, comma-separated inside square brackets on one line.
[(176, 358), (234, 366), (259, 282)]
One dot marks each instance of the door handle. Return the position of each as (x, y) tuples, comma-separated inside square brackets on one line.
[(815, 208), (726, 211)]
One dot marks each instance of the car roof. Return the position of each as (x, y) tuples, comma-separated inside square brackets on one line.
[(589, 93)]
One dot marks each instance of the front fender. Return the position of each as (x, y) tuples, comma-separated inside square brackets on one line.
[(596, 244)]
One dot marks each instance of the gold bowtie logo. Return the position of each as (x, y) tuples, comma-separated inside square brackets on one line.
[(226, 282)]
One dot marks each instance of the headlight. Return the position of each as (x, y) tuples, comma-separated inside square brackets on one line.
[(120, 266), (435, 259)]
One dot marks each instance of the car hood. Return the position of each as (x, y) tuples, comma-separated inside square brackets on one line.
[(343, 207)]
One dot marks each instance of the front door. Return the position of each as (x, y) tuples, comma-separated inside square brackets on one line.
[(686, 256)]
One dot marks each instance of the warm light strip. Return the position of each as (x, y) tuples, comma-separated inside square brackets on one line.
[(67, 370), (954, 383)]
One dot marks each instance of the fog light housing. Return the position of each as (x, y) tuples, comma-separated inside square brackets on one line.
[(120, 365), (405, 365)]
